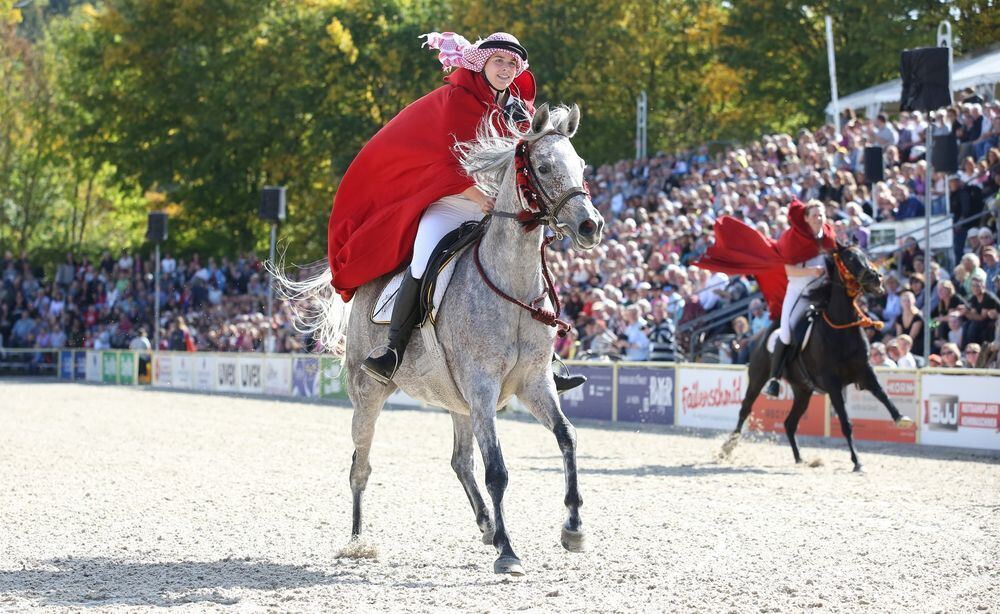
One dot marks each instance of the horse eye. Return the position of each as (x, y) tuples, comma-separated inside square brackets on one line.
[(545, 169)]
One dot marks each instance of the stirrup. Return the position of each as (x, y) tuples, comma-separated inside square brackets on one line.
[(776, 383), (375, 374)]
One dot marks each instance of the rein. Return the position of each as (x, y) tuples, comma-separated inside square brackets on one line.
[(539, 313), (853, 289)]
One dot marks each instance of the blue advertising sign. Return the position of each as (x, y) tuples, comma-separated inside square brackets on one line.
[(305, 377), (646, 395), (593, 400), (80, 365), (66, 364)]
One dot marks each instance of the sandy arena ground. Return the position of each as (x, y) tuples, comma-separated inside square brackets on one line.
[(123, 500)]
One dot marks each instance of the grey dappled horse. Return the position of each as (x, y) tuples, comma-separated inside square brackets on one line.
[(493, 348)]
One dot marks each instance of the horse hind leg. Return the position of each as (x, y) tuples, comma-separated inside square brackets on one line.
[(799, 406), (544, 405), (464, 463), (837, 400), (756, 378), (368, 397)]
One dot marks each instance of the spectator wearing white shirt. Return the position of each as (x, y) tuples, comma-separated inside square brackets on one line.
[(906, 359), (636, 342)]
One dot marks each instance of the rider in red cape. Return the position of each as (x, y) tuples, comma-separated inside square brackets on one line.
[(406, 189), (408, 165), (784, 269)]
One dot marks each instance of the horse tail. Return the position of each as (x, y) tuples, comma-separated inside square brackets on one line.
[(317, 310)]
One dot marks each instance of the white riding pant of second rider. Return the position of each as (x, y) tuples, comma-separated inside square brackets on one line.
[(796, 302), (438, 220)]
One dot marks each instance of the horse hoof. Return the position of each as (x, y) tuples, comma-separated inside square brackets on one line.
[(573, 541), (510, 565), (729, 446), (858, 468), (905, 422), (488, 537)]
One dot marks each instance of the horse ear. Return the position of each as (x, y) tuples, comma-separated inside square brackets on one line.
[(541, 119), (571, 123)]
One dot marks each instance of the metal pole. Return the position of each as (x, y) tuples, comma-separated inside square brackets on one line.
[(833, 72), (270, 291), (927, 239), (640, 125), (156, 301)]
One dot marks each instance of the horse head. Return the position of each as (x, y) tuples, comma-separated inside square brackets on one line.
[(857, 265), (555, 173)]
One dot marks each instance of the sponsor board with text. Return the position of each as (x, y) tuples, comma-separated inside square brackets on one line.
[(594, 399), (961, 411), (646, 395), (710, 398)]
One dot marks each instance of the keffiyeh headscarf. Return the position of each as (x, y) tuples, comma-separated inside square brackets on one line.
[(455, 51)]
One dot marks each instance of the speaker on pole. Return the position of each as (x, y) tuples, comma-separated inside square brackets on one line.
[(873, 165), (156, 227), (944, 156), (926, 79), (272, 204)]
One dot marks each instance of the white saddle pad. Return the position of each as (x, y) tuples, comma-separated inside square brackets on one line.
[(382, 312), (772, 339)]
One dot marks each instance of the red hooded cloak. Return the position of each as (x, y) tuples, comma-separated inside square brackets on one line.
[(741, 250), (408, 165)]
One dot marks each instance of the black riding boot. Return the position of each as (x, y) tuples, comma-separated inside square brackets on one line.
[(404, 318), (569, 382), (777, 366)]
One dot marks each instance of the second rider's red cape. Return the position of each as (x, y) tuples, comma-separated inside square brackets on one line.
[(741, 250), (401, 171)]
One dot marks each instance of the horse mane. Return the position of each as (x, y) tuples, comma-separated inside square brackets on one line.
[(487, 157)]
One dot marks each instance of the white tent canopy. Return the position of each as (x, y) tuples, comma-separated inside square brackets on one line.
[(971, 71)]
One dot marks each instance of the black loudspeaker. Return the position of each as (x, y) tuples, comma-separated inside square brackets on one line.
[(926, 80), (156, 227), (272, 204), (944, 156), (873, 164)]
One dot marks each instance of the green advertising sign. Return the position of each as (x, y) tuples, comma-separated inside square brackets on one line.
[(126, 368), (109, 369), (332, 379)]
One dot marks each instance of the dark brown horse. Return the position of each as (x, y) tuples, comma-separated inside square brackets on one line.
[(835, 357)]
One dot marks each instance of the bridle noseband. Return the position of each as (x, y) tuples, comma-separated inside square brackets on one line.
[(537, 204)]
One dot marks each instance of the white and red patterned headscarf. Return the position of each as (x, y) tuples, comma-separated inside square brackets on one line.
[(456, 51)]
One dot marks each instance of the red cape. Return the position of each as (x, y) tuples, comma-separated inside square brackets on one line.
[(401, 171), (741, 250)]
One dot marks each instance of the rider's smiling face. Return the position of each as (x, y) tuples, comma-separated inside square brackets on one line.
[(500, 70), (816, 217)]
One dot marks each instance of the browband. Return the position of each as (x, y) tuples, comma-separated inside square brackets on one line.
[(506, 46)]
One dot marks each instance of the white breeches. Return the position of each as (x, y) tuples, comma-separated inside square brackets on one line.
[(795, 304), (438, 220)]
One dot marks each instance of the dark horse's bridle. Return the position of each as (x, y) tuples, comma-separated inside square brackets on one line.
[(537, 207), (853, 286)]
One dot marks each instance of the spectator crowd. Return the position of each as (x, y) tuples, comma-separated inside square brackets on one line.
[(638, 295)]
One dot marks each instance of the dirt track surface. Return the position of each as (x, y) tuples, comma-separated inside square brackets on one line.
[(122, 500)]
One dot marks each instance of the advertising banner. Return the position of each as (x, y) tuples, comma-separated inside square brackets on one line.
[(109, 367), (79, 365), (305, 376), (226, 374), (126, 368), (768, 415), (163, 369), (710, 398), (251, 375), (646, 394), (332, 383), (184, 370), (594, 399), (278, 375), (204, 373), (961, 411), (870, 419), (66, 365), (93, 366)]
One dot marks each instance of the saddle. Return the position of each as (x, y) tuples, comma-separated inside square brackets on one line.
[(800, 334), (436, 277)]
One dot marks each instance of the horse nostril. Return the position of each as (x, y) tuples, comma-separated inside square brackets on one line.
[(587, 228)]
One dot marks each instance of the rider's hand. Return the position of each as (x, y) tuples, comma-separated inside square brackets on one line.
[(816, 271), (487, 204)]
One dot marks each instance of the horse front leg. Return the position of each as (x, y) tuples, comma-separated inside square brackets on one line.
[(464, 464), (837, 399), (870, 383), (484, 425), (543, 402)]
